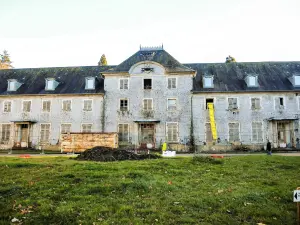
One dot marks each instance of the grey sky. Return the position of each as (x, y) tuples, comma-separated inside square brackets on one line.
[(41, 33)]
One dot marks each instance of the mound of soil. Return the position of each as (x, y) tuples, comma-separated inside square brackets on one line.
[(105, 154)]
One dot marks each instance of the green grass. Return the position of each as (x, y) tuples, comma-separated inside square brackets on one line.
[(237, 190)]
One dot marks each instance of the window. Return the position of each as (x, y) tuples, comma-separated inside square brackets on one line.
[(255, 103), (4, 133), (66, 105), (45, 132), (123, 132), (147, 104), (124, 84), (65, 128), (7, 106), (147, 83), (89, 83), (208, 82), (234, 132), (87, 105), (257, 135), (123, 104), (232, 103), (172, 104), (172, 83), (46, 106), (86, 128), (279, 103), (50, 85), (172, 132), (26, 106), (252, 81), (297, 80), (11, 85), (209, 100)]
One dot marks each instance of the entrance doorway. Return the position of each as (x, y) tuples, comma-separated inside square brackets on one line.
[(22, 135), (147, 134)]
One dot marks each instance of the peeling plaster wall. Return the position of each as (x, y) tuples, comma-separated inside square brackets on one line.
[(56, 116), (245, 115)]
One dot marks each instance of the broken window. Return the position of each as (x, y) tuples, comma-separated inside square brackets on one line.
[(279, 103), (66, 105), (45, 132), (123, 132), (86, 128), (208, 100), (26, 106), (46, 106), (124, 104), (172, 104), (5, 133), (7, 106), (65, 128), (257, 135), (147, 83), (234, 132), (255, 103), (171, 83), (87, 105), (172, 132), (147, 104), (232, 103), (124, 84)]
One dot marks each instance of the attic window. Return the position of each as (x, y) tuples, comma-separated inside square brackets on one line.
[(252, 81), (208, 82), (89, 83), (297, 80), (13, 85), (51, 84)]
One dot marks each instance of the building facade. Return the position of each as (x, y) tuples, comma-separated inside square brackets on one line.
[(151, 98)]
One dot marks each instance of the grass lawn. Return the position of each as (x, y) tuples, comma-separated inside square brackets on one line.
[(237, 190)]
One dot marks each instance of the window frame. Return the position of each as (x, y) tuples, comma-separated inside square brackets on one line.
[(208, 77), (128, 130), (239, 130), (177, 132), (124, 99), (169, 78), (262, 132), (7, 101), (62, 129), (260, 107), (87, 79), (49, 135), (2, 140), (44, 100), (83, 105), (255, 80), (82, 124), (123, 84), (23, 106), (152, 106), (294, 77), (48, 80), (237, 104), (176, 105), (62, 105)]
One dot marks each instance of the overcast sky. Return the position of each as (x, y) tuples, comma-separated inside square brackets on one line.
[(50, 33)]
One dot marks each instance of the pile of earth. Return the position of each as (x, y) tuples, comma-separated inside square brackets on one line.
[(105, 154)]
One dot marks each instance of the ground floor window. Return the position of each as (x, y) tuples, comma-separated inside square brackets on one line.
[(257, 134), (45, 132), (86, 128), (234, 131), (65, 128), (123, 132), (4, 133), (172, 132)]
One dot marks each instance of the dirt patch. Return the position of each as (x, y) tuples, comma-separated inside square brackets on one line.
[(105, 154)]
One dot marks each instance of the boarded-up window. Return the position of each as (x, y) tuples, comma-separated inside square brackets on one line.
[(123, 132), (172, 132), (257, 134), (7, 106), (232, 103), (66, 105), (171, 83), (86, 128), (65, 128), (5, 133), (46, 106), (123, 104), (255, 103), (26, 106), (279, 103), (123, 84), (172, 104), (87, 105), (234, 132), (45, 132), (147, 104)]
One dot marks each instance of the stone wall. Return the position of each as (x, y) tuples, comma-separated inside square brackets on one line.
[(79, 142)]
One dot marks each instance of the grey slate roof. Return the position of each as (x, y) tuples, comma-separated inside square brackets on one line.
[(71, 80), (160, 56), (230, 77)]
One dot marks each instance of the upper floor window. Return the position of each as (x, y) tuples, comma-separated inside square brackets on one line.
[(255, 103), (46, 107), (252, 81), (124, 104), (87, 105), (172, 104), (7, 106), (232, 103), (279, 103), (148, 104), (147, 83), (172, 83), (13, 85), (26, 106), (90, 83), (297, 80), (124, 83), (208, 81), (66, 105)]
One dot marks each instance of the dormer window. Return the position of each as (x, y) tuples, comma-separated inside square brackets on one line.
[(13, 85), (208, 81), (252, 81), (51, 84), (90, 83), (297, 80)]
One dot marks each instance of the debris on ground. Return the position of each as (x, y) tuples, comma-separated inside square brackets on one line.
[(105, 154)]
